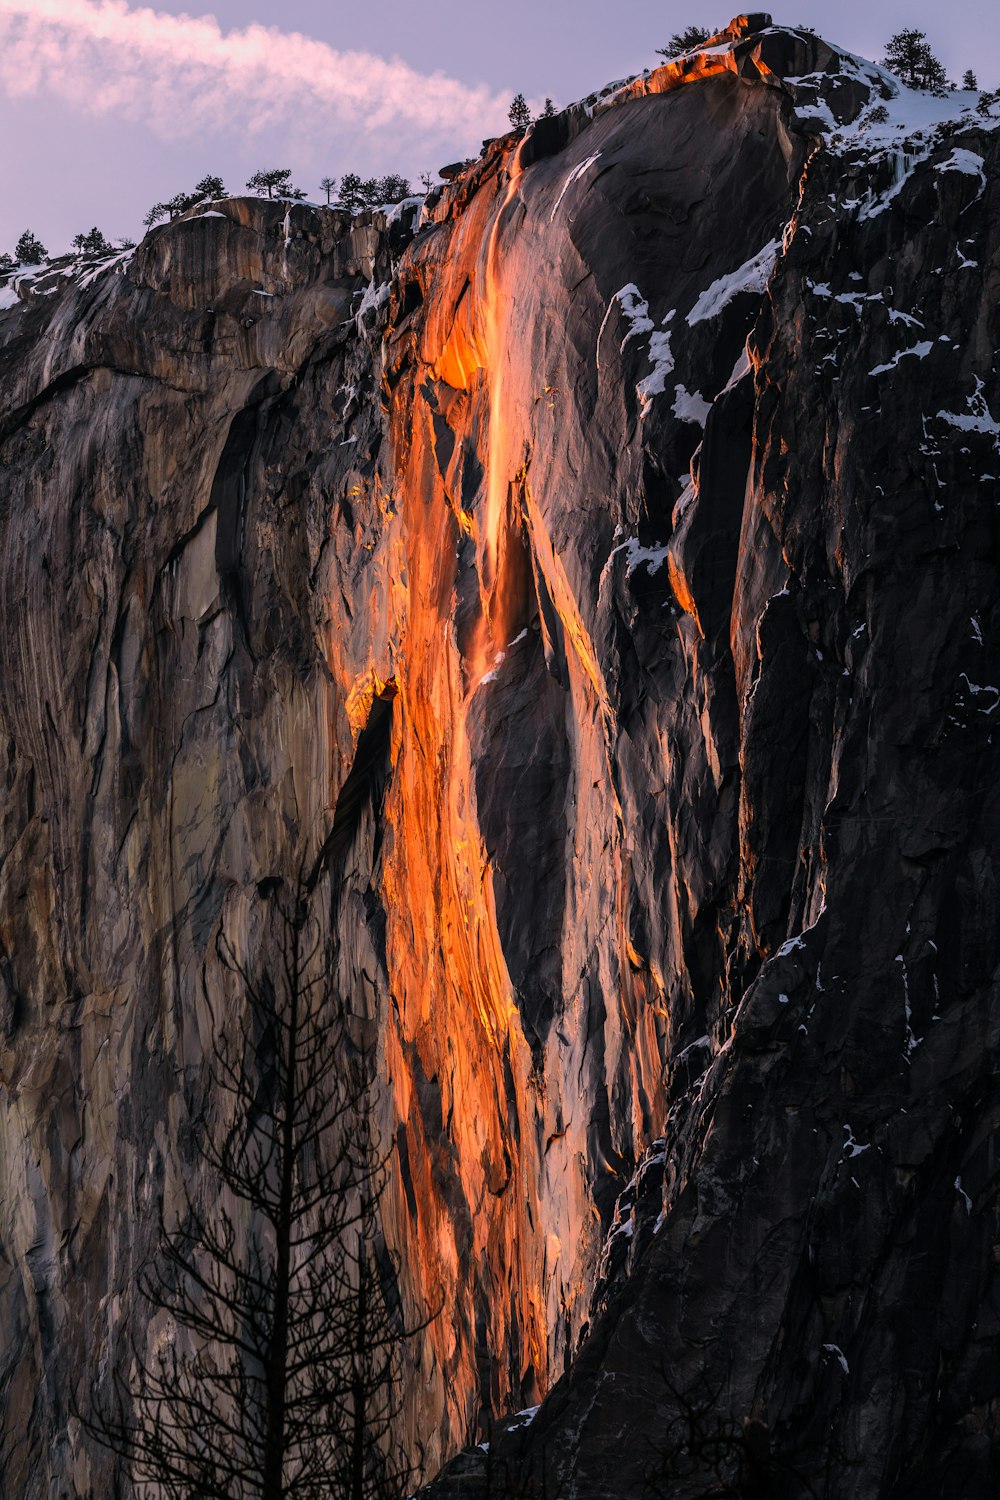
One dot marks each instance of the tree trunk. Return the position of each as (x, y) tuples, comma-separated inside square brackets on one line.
[(277, 1364), (360, 1415)]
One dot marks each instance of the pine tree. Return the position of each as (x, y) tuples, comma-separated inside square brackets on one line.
[(275, 183), (549, 109), (352, 191), (969, 80), (519, 114), (29, 250), (7, 263), (179, 204), (328, 186), (93, 242), (392, 188), (210, 187), (684, 41), (908, 55)]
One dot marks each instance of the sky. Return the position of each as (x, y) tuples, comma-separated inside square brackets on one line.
[(108, 106)]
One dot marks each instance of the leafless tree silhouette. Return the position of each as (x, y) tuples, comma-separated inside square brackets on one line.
[(273, 1362), (703, 1453)]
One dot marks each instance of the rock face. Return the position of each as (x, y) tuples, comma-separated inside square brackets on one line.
[(592, 573)]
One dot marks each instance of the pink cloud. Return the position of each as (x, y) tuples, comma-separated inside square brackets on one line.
[(182, 75)]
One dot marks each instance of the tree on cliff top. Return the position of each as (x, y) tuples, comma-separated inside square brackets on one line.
[(371, 192), (275, 183), (519, 114), (328, 186), (684, 41), (270, 1368), (210, 188), (29, 250), (93, 242), (908, 55)]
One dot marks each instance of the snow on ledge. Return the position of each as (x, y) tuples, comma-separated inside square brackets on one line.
[(691, 406), (752, 276)]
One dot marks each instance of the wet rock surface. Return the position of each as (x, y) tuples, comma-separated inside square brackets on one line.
[(593, 577)]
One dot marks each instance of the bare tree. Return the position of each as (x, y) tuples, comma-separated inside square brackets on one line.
[(371, 1465), (273, 1370), (702, 1452)]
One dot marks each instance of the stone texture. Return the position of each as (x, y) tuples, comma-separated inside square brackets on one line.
[(590, 585)]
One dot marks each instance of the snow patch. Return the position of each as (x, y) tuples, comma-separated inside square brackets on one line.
[(741, 369), (969, 162), (635, 310), (752, 276), (912, 1041), (919, 351), (691, 406), (662, 360), (111, 263), (493, 673), (977, 419), (637, 556), (980, 689), (701, 1044), (395, 211), (574, 176), (374, 297)]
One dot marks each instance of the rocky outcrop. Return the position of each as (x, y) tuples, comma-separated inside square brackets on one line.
[(591, 572)]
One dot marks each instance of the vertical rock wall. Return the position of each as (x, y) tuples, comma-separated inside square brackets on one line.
[(617, 677)]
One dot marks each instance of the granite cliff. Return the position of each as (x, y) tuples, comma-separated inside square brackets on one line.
[(590, 572)]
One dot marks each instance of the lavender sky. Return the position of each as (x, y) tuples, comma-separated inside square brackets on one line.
[(107, 106)]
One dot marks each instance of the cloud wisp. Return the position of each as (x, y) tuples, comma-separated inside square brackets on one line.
[(184, 75)]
